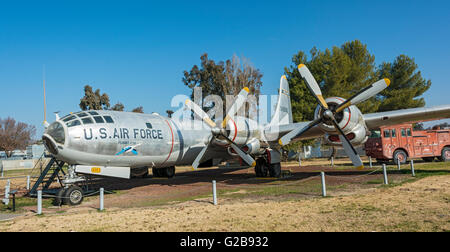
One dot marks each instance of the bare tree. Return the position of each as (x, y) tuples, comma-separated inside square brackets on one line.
[(14, 135)]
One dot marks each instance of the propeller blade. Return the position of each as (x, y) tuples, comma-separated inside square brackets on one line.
[(240, 100), (348, 147), (286, 139), (365, 94), (351, 152), (200, 113), (199, 157), (246, 157), (311, 83)]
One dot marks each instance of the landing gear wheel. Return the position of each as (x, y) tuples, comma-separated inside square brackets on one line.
[(275, 170), (156, 172), (73, 196), (445, 154), (59, 200), (169, 172), (261, 168), (139, 172), (400, 156)]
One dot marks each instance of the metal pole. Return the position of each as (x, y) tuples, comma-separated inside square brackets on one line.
[(299, 160), (28, 182), (386, 182), (412, 168), (214, 192), (332, 162), (102, 193), (7, 189), (324, 187), (39, 202), (370, 162), (398, 164)]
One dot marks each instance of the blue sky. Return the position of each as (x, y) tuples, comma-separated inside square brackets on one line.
[(136, 51)]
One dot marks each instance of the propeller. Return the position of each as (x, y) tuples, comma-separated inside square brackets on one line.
[(328, 115), (221, 131)]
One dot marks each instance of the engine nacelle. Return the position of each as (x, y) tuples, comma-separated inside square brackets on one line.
[(240, 130), (350, 120)]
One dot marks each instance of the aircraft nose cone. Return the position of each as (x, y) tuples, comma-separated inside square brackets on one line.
[(50, 144)]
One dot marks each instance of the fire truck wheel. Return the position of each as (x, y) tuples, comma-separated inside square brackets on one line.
[(445, 154), (401, 156)]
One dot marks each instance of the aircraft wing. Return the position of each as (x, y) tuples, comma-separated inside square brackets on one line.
[(274, 133), (375, 120)]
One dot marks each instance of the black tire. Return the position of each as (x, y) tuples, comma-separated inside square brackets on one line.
[(139, 172), (261, 168), (445, 154), (156, 173), (59, 200), (275, 170), (74, 196), (169, 172), (401, 156)]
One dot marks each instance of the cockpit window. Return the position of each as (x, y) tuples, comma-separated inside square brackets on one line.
[(56, 131), (109, 119), (99, 119), (93, 113), (87, 120), (82, 114), (73, 123), (69, 118)]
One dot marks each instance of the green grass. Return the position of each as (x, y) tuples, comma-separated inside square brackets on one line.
[(24, 202)]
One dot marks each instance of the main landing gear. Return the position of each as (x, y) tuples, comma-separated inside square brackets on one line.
[(168, 172), (264, 169)]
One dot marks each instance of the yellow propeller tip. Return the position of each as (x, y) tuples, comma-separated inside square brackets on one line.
[(361, 167), (246, 89), (388, 82), (280, 142), (254, 164), (301, 65), (284, 77), (187, 101)]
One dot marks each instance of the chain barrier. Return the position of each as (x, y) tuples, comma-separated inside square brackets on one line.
[(351, 178)]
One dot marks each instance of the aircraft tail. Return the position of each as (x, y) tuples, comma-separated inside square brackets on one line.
[(283, 111)]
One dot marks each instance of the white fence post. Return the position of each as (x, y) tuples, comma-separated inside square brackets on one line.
[(28, 182), (370, 162), (324, 187), (386, 182), (102, 193), (214, 192), (39, 202), (412, 168)]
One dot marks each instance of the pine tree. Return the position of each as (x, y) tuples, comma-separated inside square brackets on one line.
[(407, 84)]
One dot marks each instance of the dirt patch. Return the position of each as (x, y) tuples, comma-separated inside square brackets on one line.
[(409, 207)]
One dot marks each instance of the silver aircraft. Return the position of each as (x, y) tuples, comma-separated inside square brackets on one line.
[(122, 144)]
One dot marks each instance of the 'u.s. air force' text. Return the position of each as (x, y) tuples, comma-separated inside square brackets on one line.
[(122, 133)]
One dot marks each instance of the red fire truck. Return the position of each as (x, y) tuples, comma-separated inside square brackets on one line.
[(400, 142)]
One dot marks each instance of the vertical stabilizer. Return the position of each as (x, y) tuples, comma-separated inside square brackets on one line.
[(283, 111)]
